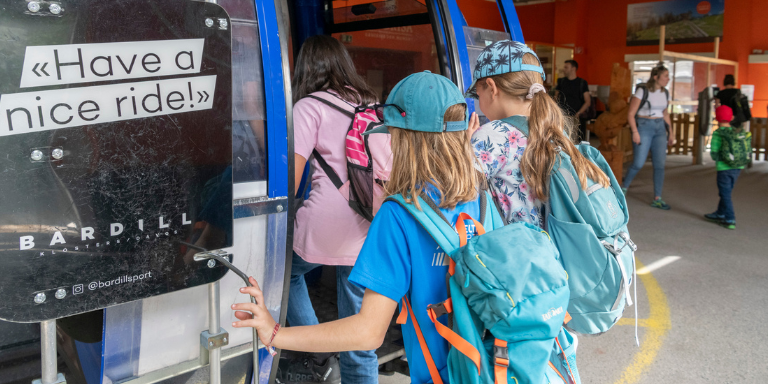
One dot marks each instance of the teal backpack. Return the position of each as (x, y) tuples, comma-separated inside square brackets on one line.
[(507, 301), (589, 228), (736, 147)]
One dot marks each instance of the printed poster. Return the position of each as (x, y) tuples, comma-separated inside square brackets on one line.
[(687, 21)]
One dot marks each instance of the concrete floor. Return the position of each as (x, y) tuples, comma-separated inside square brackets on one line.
[(716, 293)]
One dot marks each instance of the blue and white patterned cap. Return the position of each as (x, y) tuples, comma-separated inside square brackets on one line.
[(502, 57)]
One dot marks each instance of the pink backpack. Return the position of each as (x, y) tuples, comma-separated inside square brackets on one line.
[(367, 172)]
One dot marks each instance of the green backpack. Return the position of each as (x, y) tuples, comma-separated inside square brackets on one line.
[(736, 148)]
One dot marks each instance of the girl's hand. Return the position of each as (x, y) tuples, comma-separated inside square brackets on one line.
[(671, 141), (474, 124), (636, 137), (259, 317)]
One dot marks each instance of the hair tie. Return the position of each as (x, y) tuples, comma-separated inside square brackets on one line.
[(535, 88)]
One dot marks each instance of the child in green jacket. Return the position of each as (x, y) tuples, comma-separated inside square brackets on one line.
[(727, 173)]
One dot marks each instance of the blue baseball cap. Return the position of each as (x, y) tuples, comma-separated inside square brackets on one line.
[(505, 56), (419, 102)]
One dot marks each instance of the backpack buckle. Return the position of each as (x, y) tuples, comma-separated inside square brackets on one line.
[(611, 248), (439, 309), (628, 241), (500, 356)]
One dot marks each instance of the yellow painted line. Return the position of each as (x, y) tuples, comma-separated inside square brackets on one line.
[(657, 325)]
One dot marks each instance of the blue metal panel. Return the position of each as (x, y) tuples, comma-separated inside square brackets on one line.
[(511, 22), (458, 21), (277, 134)]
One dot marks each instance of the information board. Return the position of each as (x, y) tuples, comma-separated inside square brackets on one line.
[(115, 151)]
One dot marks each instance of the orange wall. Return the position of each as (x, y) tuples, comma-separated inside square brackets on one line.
[(598, 27), (481, 14)]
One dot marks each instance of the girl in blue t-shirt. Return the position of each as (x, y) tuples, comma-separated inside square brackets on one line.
[(432, 155), (517, 149)]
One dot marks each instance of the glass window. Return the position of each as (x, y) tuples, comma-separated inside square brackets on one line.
[(249, 152), (385, 56), (346, 11)]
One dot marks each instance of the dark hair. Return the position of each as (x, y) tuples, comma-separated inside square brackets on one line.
[(324, 64), (573, 63), (656, 71), (729, 80)]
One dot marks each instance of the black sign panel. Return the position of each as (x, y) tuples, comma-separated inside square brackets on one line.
[(115, 151)]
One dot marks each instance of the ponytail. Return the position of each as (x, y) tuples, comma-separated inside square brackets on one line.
[(548, 132)]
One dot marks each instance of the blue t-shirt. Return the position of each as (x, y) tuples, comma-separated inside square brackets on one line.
[(399, 257)]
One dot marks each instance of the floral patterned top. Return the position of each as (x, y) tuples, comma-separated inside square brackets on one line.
[(499, 146)]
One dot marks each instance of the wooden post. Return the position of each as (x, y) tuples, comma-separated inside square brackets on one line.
[(717, 47), (662, 37)]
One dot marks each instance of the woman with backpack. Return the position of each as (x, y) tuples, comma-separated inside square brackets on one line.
[(518, 148), (651, 131), (326, 230), (427, 117)]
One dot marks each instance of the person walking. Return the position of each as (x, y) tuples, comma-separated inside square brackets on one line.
[(326, 230), (427, 117), (573, 94), (732, 97), (726, 173), (651, 131)]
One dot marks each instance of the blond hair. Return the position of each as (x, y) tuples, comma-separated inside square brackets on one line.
[(549, 132), (444, 160)]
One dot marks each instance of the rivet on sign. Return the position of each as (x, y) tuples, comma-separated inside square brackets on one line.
[(210, 343), (211, 263), (223, 24), (36, 155), (60, 293), (55, 8), (209, 22), (40, 298), (279, 208), (57, 153), (225, 339), (33, 6)]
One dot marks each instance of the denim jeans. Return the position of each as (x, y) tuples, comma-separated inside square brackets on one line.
[(725, 182), (356, 366), (653, 138)]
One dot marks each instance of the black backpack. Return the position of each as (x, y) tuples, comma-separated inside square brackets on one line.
[(741, 113)]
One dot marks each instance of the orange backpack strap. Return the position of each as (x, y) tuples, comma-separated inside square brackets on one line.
[(500, 361), (402, 318), (433, 372), (461, 228), (558, 372), (453, 338), (567, 318), (570, 371)]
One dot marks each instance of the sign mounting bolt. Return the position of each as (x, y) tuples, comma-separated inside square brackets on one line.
[(33, 6), (223, 24), (279, 208), (55, 8), (209, 22), (57, 153), (211, 263), (61, 293), (36, 155), (40, 298)]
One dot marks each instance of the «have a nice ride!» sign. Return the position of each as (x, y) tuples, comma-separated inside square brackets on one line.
[(115, 151)]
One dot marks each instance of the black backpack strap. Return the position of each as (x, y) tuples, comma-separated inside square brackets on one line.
[(349, 114), (327, 169), (643, 100)]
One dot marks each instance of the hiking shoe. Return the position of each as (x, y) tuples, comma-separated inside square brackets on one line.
[(728, 224), (660, 204), (305, 370), (714, 217)]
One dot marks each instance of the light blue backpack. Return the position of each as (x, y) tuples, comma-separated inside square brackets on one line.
[(507, 301), (589, 227)]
